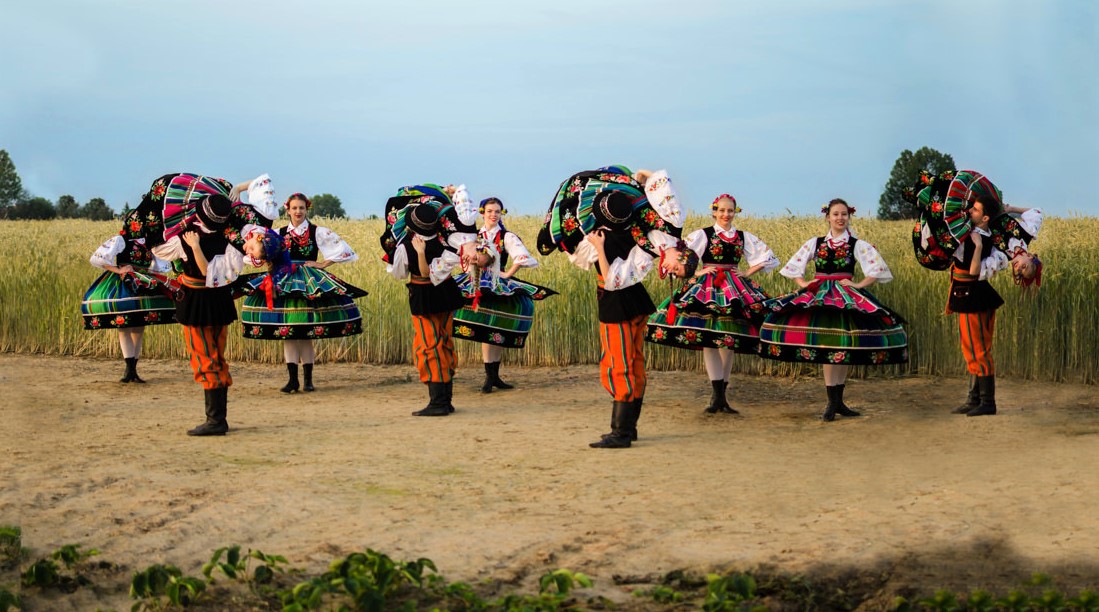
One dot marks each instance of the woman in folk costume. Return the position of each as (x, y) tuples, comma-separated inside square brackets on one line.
[(307, 302), (721, 308), (834, 320), (603, 218), (422, 242), (131, 293), (502, 309)]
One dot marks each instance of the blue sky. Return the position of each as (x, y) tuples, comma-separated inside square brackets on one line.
[(784, 104)]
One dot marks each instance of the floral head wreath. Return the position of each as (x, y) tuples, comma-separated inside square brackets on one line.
[(824, 208), (298, 196), (687, 257), (485, 202), (725, 196)]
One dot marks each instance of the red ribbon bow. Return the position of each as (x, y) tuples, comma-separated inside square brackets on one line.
[(268, 287)]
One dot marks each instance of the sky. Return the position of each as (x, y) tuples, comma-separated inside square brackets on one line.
[(784, 104)]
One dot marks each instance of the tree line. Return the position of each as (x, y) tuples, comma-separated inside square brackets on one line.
[(17, 203)]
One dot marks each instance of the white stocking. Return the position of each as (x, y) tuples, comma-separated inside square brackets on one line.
[(129, 339), (715, 364), (490, 353)]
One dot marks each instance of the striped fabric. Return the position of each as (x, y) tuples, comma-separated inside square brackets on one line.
[(308, 303), (976, 331), (720, 310), (504, 314), (833, 324), (182, 192), (136, 300), (621, 359), (433, 347), (206, 345), (967, 185)]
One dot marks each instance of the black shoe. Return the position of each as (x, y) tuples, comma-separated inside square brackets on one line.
[(131, 370), (215, 425), (487, 386), (292, 384), (843, 409), (987, 387), (437, 406), (623, 419), (307, 374), (972, 400), (829, 414), (495, 374)]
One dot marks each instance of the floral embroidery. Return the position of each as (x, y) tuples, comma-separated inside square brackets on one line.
[(774, 350), (879, 356), (120, 320), (496, 338), (283, 331), (807, 354), (464, 331), (94, 322), (838, 357)]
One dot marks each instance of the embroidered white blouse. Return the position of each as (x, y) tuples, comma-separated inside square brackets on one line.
[(755, 250), (870, 261)]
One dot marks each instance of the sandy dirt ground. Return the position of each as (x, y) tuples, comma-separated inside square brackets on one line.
[(506, 488)]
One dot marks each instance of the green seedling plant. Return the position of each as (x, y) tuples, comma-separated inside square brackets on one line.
[(46, 573), (733, 592), (12, 552), (160, 586), (371, 580)]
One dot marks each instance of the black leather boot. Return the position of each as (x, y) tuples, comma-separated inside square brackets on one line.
[(621, 416), (717, 396), (830, 410), (130, 370), (987, 387), (292, 384), (307, 373), (726, 408), (448, 395), (843, 409), (133, 375), (636, 414), (437, 405), (496, 381), (215, 425), (487, 387), (972, 400)]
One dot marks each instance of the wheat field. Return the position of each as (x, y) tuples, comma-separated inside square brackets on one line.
[(1051, 335)]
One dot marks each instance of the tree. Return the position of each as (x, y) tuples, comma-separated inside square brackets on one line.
[(67, 207), (11, 187), (97, 210), (328, 205), (906, 170), (32, 208)]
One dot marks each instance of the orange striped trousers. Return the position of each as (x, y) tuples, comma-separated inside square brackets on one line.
[(206, 344), (976, 330), (621, 360), (433, 346)]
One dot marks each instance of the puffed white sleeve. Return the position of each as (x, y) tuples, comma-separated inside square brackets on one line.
[(757, 252), (696, 241), (630, 271), (661, 240), (795, 268), (334, 248), (170, 250), (992, 264), (225, 268), (518, 251), (584, 255), (398, 268), (457, 239), (107, 253), (443, 265), (1031, 222), (871, 262)]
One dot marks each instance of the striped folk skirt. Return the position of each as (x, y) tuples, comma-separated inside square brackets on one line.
[(719, 310), (832, 324), (504, 312), (306, 304), (132, 300)]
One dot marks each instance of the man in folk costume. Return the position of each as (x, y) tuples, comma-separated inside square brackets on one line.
[(210, 264), (975, 301), (623, 253), (424, 257)]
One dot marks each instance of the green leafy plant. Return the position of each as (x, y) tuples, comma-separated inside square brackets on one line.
[(661, 594), (8, 600), (733, 592), (42, 573), (157, 581), (369, 579), (11, 546)]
